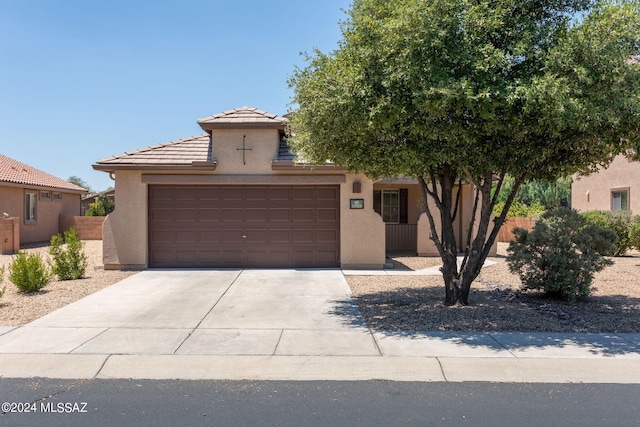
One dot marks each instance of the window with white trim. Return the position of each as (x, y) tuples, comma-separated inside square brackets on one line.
[(620, 200), (30, 207)]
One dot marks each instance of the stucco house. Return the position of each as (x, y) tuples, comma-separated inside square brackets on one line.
[(614, 188), (235, 196), (35, 199)]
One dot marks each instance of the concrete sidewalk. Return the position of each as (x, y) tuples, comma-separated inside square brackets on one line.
[(283, 325)]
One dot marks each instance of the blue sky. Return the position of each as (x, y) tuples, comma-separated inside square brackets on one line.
[(81, 80)]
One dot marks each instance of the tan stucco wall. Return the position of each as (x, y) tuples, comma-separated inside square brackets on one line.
[(124, 231), (593, 192), (262, 142), (362, 234), (48, 212)]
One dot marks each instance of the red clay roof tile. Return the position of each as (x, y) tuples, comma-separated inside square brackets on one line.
[(15, 172)]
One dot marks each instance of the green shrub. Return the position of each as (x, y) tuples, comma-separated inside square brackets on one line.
[(29, 272), (102, 206), (634, 232), (69, 263), (620, 222), (4, 288), (561, 254), (519, 209)]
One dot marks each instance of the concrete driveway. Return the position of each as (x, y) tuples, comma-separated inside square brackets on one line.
[(231, 312), (283, 325)]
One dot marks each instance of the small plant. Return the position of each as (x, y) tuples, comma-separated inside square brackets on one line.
[(620, 222), (4, 288), (561, 254), (29, 272), (69, 263), (634, 232)]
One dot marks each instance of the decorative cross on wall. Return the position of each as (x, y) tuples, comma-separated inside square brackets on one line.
[(243, 149)]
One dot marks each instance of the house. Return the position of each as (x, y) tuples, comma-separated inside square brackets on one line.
[(614, 188), (35, 199), (235, 196)]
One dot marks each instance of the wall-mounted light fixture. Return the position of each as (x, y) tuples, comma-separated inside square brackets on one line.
[(357, 187)]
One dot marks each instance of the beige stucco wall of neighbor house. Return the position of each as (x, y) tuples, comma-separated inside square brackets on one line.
[(593, 192), (124, 231), (47, 211), (362, 234)]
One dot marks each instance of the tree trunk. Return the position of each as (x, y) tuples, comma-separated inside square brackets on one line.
[(458, 279)]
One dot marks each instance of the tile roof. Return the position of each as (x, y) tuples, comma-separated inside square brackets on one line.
[(15, 172), (182, 152), (242, 117)]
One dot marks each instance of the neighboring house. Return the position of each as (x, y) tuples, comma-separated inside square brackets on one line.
[(91, 198), (36, 198), (614, 188), (236, 197)]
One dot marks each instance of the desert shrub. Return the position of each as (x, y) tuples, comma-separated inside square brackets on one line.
[(4, 288), (561, 254), (519, 209), (634, 232), (29, 272), (70, 262), (620, 222)]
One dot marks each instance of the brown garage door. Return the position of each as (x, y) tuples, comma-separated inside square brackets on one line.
[(244, 226)]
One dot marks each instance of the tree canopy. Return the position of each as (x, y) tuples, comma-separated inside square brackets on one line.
[(450, 90)]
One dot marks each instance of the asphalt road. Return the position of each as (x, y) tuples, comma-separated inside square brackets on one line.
[(314, 403)]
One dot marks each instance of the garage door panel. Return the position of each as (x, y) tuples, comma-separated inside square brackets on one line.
[(256, 215), (302, 236), (233, 215), (185, 215), (161, 215), (302, 214), (209, 214), (330, 215), (327, 236), (280, 214), (203, 226), (210, 236)]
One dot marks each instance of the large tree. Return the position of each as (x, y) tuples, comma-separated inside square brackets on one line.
[(462, 91)]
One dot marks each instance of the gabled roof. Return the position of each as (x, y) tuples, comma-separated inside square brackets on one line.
[(15, 172), (183, 152), (245, 117)]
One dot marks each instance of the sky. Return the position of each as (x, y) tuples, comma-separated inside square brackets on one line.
[(81, 80)]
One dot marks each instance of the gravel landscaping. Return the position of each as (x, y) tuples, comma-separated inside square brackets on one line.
[(406, 303), (18, 308)]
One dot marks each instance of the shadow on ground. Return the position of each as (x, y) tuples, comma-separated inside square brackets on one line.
[(419, 313)]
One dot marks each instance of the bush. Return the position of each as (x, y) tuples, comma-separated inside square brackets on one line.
[(4, 288), (69, 263), (634, 232), (29, 272), (519, 209), (561, 254), (619, 222), (102, 206)]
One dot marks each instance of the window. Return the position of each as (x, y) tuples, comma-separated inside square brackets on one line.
[(45, 195), (391, 205), (57, 196), (620, 200), (30, 207)]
